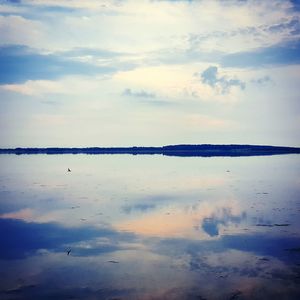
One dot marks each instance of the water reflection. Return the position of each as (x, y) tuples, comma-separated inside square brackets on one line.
[(143, 207), (149, 227), (223, 217), (25, 239)]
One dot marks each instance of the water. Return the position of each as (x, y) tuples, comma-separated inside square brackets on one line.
[(149, 227)]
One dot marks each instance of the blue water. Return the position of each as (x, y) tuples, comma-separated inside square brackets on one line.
[(149, 227)]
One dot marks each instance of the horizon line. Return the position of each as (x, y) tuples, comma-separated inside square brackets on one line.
[(134, 146), (186, 150)]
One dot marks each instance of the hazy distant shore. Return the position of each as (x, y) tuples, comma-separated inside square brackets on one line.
[(172, 150)]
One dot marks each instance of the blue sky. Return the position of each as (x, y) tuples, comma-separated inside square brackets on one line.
[(124, 73)]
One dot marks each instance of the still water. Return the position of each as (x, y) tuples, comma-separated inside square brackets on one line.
[(149, 227)]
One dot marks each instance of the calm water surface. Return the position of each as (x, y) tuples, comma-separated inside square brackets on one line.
[(149, 227)]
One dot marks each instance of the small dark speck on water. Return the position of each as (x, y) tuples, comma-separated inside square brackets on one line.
[(235, 295), (264, 259), (73, 207), (113, 261), (264, 193)]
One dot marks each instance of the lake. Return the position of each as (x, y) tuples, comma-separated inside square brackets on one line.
[(149, 227)]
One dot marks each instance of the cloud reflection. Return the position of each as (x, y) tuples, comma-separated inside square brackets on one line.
[(142, 207), (180, 220), (211, 224), (47, 292), (26, 238)]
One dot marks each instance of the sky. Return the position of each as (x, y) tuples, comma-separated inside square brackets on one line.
[(149, 72)]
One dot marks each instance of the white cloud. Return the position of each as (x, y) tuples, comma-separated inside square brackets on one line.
[(15, 29), (203, 122), (141, 27), (157, 223), (11, 9), (23, 214), (72, 85), (162, 45), (177, 83), (48, 120), (88, 4)]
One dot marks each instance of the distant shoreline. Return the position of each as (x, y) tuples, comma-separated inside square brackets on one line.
[(205, 150)]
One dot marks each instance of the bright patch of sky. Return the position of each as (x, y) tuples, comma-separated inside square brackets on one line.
[(149, 72)]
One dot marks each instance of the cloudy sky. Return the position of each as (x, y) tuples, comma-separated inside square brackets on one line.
[(149, 72)]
